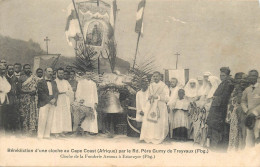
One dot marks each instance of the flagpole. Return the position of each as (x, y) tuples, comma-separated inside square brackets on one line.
[(138, 38)]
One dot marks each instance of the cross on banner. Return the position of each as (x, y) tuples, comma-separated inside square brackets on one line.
[(47, 40)]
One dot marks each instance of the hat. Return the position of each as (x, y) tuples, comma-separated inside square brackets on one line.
[(225, 70)]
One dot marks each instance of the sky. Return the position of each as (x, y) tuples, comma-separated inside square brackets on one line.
[(208, 34)]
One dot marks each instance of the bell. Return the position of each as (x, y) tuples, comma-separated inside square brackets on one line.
[(112, 103)]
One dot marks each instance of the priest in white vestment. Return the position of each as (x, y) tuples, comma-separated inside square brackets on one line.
[(87, 93), (155, 126), (62, 115)]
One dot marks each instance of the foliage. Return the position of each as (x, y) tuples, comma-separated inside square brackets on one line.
[(143, 71), (85, 58)]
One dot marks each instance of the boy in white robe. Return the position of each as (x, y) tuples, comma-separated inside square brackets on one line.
[(180, 117)]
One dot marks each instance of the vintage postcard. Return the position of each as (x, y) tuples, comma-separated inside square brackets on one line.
[(129, 83)]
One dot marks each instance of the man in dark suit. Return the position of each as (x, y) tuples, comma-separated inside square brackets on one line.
[(47, 97), (12, 119), (218, 130)]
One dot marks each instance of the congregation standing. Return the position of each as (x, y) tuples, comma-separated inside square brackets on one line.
[(222, 114), (40, 105)]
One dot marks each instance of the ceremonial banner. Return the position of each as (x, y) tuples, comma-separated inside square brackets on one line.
[(44, 61), (182, 75)]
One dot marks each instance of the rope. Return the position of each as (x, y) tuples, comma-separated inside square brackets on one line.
[(131, 126), (133, 119)]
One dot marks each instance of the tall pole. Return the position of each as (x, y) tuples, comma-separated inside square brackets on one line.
[(177, 54), (97, 2), (138, 38), (47, 40)]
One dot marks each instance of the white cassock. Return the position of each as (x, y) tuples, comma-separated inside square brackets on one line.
[(155, 122), (141, 104), (5, 87), (172, 100), (62, 115), (87, 90)]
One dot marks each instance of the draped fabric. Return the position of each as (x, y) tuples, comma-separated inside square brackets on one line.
[(236, 117), (28, 105), (156, 130)]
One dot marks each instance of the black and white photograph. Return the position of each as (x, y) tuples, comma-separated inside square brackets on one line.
[(130, 83)]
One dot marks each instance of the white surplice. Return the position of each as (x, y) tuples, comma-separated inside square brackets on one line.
[(5, 87), (87, 91), (141, 104), (62, 115), (156, 131)]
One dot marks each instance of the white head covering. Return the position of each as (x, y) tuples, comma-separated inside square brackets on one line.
[(199, 78), (215, 81), (189, 91), (204, 89), (207, 74)]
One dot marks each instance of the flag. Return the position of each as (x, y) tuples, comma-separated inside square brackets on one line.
[(72, 26), (139, 17)]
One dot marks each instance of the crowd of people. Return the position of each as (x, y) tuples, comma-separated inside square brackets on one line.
[(222, 114), (41, 104)]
